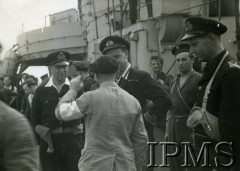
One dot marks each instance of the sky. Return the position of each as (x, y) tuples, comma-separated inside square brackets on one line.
[(13, 13)]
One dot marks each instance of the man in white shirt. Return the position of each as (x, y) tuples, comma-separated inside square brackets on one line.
[(116, 138), (61, 142)]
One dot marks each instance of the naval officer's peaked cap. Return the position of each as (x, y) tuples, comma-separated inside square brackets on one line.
[(198, 26), (59, 56), (113, 42)]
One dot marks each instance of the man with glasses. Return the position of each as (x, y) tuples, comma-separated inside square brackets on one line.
[(60, 141)]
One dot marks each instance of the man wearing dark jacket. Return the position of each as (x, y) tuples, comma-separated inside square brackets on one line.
[(138, 83), (183, 94), (60, 142), (223, 98)]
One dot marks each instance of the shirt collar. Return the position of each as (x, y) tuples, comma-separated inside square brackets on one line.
[(125, 73), (109, 83), (50, 82), (8, 87)]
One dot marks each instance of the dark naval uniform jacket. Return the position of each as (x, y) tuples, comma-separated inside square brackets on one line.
[(224, 98), (143, 87), (65, 137), (44, 103)]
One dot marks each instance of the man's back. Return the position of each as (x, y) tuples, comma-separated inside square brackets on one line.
[(18, 150), (114, 127)]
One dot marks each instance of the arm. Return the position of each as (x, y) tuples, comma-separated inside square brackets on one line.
[(139, 139), (68, 108), (161, 100)]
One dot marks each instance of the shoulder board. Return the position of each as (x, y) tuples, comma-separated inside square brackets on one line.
[(233, 64)]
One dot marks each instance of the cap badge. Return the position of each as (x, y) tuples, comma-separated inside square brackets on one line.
[(188, 26), (109, 43), (61, 56)]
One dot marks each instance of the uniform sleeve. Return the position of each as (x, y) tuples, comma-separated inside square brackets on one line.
[(229, 116), (21, 153), (36, 109), (160, 98), (139, 139)]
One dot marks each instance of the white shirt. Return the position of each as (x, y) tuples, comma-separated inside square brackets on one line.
[(125, 73), (30, 98), (51, 83)]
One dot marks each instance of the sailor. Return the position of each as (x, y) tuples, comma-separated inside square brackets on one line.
[(60, 142), (183, 95), (219, 87)]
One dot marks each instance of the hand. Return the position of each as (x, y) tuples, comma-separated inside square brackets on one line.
[(76, 83), (161, 81)]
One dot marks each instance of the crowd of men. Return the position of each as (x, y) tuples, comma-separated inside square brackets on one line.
[(103, 119)]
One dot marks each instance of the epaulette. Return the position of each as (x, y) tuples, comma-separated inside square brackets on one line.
[(233, 64)]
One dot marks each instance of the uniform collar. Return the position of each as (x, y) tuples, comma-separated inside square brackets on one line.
[(216, 59), (109, 83), (212, 64), (50, 82), (192, 73), (126, 72)]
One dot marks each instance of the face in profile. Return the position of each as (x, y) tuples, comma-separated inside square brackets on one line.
[(28, 90), (200, 47), (121, 57)]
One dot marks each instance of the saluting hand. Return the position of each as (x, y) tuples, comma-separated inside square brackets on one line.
[(76, 83)]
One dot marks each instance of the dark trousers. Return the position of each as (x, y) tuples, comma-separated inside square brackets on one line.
[(198, 141), (149, 129), (178, 132), (67, 152)]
